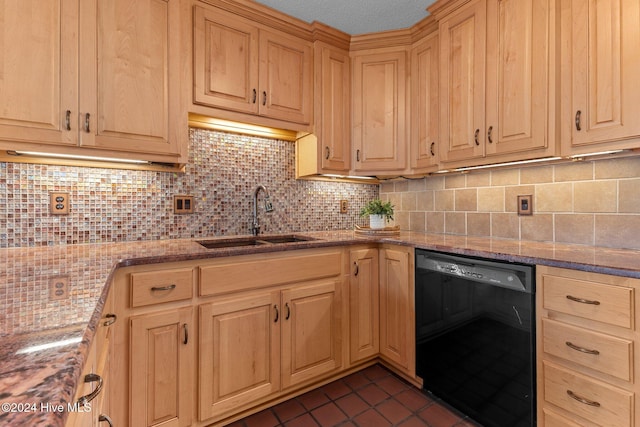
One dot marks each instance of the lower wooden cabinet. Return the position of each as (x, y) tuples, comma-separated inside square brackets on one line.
[(161, 355), (364, 304), (397, 311), (256, 344), (586, 334)]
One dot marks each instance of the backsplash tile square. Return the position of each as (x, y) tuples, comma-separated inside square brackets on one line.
[(110, 205)]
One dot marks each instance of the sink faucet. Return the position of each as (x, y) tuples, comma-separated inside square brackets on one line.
[(268, 207)]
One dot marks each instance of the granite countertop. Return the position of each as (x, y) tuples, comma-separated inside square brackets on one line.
[(35, 380)]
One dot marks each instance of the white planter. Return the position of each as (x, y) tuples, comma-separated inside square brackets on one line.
[(376, 222)]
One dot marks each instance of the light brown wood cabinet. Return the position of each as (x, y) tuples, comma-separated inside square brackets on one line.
[(496, 92), (364, 304), (586, 334), (380, 127), (425, 109), (240, 65), (397, 308), (153, 346), (600, 62), (103, 83), (328, 148)]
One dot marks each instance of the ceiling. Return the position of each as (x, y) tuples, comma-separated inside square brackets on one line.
[(355, 16)]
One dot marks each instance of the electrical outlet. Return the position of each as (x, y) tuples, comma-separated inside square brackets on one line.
[(58, 287), (182, 204), (59, 203), (344, 206), (525, 206)]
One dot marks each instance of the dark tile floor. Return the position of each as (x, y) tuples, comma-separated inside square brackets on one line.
[(373, 397)]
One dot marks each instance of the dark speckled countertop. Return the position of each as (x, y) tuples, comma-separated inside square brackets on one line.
[(33, 381)]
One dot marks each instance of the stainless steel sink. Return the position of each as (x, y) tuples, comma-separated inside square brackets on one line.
[(233, 242)]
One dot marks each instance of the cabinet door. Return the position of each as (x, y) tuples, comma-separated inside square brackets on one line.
[(286, 77), (517, 96), (397, 328), (364, 309), (311, 338), (424, 104), (225, 61), (239, 352), (161, 368), (39, 71), (603, 38), (462, 82), (379, 111), (333, 115), (130, 76)]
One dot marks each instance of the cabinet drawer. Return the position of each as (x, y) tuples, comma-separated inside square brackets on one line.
[(605, 353), (155, 287), (551, 419), (593, 400), (590, 300), (238, 275)]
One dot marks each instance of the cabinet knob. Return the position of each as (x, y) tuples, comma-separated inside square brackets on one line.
[(87, 121), (264, 97), (357, 155), (67, 120), (186, 334), (327, 152), (432, 148), (288, 311), (105, 419), (275, 307), (475, 136), (90, 378), (255, 95), (489, 134), (578, 115), (111, 319), (357, 270)]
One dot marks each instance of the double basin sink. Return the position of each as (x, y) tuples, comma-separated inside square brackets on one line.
[(234, 242)]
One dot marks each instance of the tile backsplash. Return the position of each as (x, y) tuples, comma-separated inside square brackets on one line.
[(108, 205), (592, 202)]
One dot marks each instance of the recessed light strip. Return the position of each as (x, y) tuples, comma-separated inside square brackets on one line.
[(77, 157)]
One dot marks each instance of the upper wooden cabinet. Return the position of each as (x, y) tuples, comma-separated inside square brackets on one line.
[(495, 80), (600, 65), (327, 149), (126, 96), (424, 104), (242, 66), (380, 79)]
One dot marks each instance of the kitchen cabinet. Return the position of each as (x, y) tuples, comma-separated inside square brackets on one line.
[(397, 308), (153, 346), (380, 84), (600, 62), (161, 358), (586, 338), (364, 304), (424, 143), (327, 148), (496, 83), (274, 325), (242, 66), (94, 82)]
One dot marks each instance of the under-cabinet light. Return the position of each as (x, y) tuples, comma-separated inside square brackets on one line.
[(599, 153), (329, 175), (497, 165), (77, 157), (49, 345)]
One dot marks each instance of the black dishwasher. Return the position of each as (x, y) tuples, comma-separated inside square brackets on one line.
[(475, 336)]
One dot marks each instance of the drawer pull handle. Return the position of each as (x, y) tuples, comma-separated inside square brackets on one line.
[(164, 288), (355, 273), (67, 120), (186, 334), (105, 419), (288, 311), (90, 378), (582, 300), (581, 349), (111, 319), (475, 136), (582, 399), (277, 313)]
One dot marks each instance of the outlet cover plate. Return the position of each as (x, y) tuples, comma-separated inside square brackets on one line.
[(59, 203), (525, 205)]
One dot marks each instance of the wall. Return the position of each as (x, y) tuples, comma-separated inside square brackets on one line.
[(593, 203), (120, 205)]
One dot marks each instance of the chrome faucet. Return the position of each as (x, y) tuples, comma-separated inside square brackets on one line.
[(268, 207)]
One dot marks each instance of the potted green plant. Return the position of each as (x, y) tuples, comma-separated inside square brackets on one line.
[(379, 213)]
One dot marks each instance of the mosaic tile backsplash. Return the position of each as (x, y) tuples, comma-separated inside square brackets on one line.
[(108, 205)]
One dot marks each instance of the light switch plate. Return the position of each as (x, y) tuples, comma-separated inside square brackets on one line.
[(525, 205), (182, 204)]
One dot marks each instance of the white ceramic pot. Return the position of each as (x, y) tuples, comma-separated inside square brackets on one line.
[(376, 222)]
